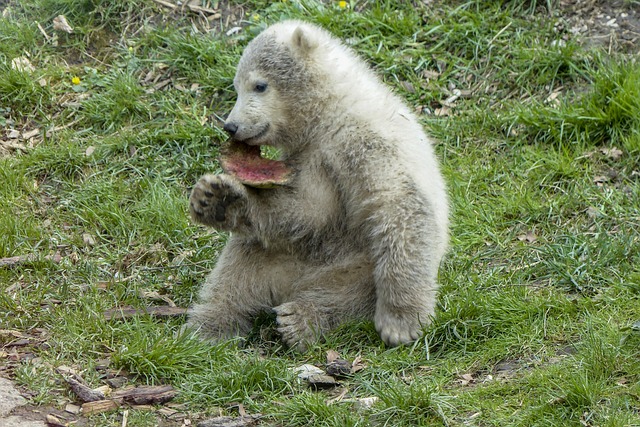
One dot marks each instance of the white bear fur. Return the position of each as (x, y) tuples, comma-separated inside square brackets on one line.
[(360, 231)]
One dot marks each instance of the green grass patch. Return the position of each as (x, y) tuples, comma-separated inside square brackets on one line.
[(537, 322)]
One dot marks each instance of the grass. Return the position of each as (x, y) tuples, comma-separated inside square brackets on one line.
[(541, 288)]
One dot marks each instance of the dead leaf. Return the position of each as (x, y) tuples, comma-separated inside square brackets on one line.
[(233, 30), (444, 111), (357, 365), (430, 74), (339, 398), (466, 379), (408, 86), (22, 64), (332, 355), (593, 212), (13, 134), (88, 239), (156, 296), (30, 134), (529, 237), (613, 153), (54, 421), (60, 23), (552, 99), (450, 101), (600, 179), (89, 151), (161, 84)]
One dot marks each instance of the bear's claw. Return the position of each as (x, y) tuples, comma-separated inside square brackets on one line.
[(295, 326), (212, 199), (396, 330)]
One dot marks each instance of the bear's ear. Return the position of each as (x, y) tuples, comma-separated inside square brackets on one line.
[(303, 41)]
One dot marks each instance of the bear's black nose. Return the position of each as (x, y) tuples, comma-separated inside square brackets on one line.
[(231, 128)]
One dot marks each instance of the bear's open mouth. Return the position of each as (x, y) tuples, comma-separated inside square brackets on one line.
[(246, 163), (256, 137)]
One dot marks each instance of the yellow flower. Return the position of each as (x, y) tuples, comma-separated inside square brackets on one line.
[(75, 80), (342, 4), (255, 17)]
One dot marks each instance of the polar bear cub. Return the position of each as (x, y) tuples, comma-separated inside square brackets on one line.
[(352, 219)]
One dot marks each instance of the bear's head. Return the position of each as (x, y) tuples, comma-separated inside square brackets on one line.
[(277, 88)]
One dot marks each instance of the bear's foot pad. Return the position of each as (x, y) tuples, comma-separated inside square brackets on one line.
[(295, 325), (396, 330)]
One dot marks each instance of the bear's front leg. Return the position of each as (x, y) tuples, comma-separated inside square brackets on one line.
[(220, 201), (401, 325)]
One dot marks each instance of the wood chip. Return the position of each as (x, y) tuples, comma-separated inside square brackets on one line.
[(307, 370), (72, 409), (54, 421), (321, 382), (99, 406), (146, 395), (117, 382), (365, 403), (85, 393), (338, 368), (245, 421)]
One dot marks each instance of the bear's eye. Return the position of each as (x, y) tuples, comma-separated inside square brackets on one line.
[(260, 87)]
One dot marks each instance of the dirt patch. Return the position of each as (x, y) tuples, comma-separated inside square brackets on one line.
[(39, 413), (613, 25)]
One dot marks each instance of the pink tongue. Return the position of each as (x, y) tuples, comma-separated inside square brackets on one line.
[(244, 162)]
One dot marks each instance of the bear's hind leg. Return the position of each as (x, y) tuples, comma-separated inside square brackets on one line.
[(324, 298), (245, 281)]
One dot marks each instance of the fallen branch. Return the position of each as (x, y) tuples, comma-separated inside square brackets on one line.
[(99, 406), (158, 311), (85, 393), (22, 259), (145, 395)]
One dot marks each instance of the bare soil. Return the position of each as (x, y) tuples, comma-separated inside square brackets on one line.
[(614, 25)]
